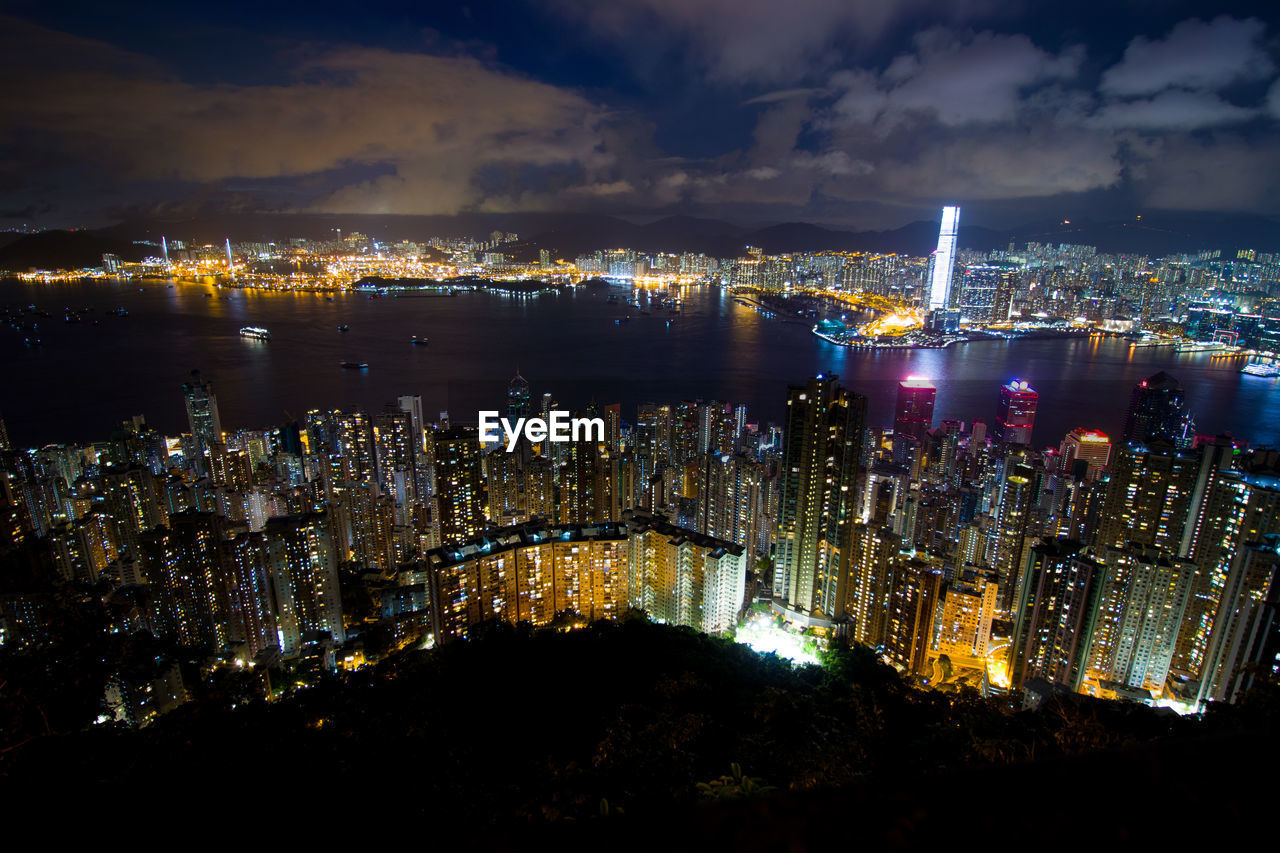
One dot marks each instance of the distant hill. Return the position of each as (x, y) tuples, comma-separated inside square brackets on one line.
[(67, 250)]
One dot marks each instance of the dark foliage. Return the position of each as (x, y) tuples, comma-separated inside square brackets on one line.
[(519, 729)]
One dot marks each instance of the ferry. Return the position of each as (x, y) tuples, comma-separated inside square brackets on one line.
[(419, 342), (256, 332), (356, 365), (1209, 346), (1268, 370)]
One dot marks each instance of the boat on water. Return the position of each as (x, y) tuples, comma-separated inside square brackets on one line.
[(419, 342), (1209, 346), (255, 332), (344, 327), (1258, 368), (356, 365)]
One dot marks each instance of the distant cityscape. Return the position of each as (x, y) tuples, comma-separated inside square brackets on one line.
[(1196, 300)]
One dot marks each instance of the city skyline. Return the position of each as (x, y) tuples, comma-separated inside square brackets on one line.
[(832, 424)]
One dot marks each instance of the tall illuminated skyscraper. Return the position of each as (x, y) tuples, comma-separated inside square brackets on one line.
[(824, 437), (459, 484), (944, 259), (914, 412), (1016, 415), (304, 573), (202, 415)]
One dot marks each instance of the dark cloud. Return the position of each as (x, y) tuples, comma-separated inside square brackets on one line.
[(1194, 55), (758, 41), (1184, 118), (433, 121)]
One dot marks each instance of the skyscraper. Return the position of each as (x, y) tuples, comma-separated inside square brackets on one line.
[(944, 259), (1055, 614), (518, 397), (977, 292), (1145, 595), (1158, 412), (304, 574), (824, 436), (914, 412), (202, 415), (1091, 445), (1016, 414), (459, 484)]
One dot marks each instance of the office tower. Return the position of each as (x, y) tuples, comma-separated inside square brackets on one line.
[(1006, 290), (964, 626), (304, 575), (943, 261), (913, 601), (182, 564), (1244, 647), (459, 484), (978, 289), (518, 403), (1016, 414), (1144, 597), (202, 417), (824, 436), (1091, 445), (682, 577), (1158, 412), (913, 414), (249, 594), (413, 405), (1055, 614), (529, 573)]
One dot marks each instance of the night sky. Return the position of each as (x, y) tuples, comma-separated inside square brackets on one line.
[(857, 113)]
